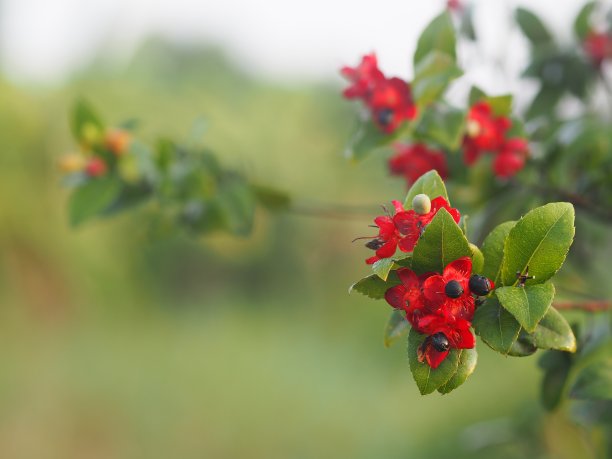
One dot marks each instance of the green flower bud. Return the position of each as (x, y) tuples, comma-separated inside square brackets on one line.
[(421, 204)]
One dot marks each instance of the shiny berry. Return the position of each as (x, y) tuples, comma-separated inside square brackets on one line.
[(479, 285), (385, 116), (453, 289), (375, 244), (440, 342)]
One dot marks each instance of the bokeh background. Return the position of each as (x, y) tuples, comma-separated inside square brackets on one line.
[(114, 344)]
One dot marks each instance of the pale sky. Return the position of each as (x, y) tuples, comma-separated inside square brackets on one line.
[(43, 41)]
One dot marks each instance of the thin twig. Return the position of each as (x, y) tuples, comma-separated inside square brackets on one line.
[(587, 306)]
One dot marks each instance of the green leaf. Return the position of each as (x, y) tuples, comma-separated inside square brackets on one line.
[(527, 304), (556, 366), (524, 345), (594, 382), (553, 332), (430, 184), (271, 198), (428, 379), (441, 242), (533, 28), (382, 267), (496, 326), (397, 326), (367, 139), (432, 76), (439, 35), (493, 251), (477, 258), (373, 286), (466, 366), (540, 240), (444, 127), (93, 198), (85, 123), (544, 102), (582, 24)]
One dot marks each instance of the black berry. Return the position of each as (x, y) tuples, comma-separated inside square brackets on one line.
[(479, 285), (440, 342), (385, 116), (375, 244), (453, 289)]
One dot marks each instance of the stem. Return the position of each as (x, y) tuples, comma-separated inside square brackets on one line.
[(586, 306)]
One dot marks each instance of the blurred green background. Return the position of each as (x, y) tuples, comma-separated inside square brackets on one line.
[(116, 345)]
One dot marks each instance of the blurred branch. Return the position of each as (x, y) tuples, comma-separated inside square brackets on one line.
[(586, 306)]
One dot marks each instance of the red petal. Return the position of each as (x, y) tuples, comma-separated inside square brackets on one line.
[(406, 222), (463, 339), (395, 296), (434, 358), (398, 206), (433, 289), (406, 244), (372, 260), (460, 269), (408, 278), (388, 249)]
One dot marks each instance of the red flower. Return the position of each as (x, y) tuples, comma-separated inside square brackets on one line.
[(598, 45), (449, 293), (454, 5), (398, 230), (511, 158), (412, 161), (391, 104), (364, 78), (96, 167), (408, 296), (437, 204), (485, 132), (443, 335)]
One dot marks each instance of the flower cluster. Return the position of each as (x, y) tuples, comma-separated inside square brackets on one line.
[(440, 306), (412, 161), (389, 100), (487, 133), (404, 228), (99, 154)]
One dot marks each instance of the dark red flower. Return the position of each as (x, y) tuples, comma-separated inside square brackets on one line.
[(364, 78), (511, 158), (399, 230), (449, 293), (412, 161), (442, 336), (598, 45), (96, 167), (484, 132), (437, 204), (391, 104)]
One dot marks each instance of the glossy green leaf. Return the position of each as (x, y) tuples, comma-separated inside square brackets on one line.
[(553, 332), (533, 28), (432, 76), (496, 326), (466, 366), (582, 24), (439, 35), (430, 184), (493, 251), (524, 345), (477, 258), (527, 304), (594, 382), (383, 267), (93, 198), (540, 240), (397, 327), (428, 379), (85, 123), (441, 242), (373, 286)]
